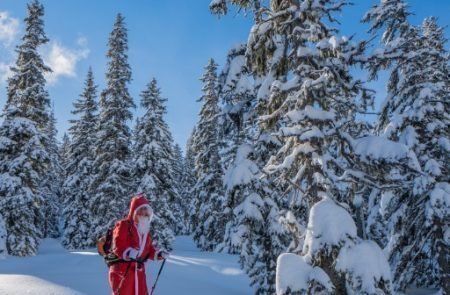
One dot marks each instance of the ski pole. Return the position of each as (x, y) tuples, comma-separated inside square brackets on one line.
[(157, 277)]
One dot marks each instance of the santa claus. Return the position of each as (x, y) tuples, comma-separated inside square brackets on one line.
[(132, 242)]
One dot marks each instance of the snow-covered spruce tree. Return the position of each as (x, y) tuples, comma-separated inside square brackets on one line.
[(208, 192), (254, 206), (77, 217), (179, 204), (315, 110), (64, 152), (253, 229), (189, 181), (24, 158), (264, 241), (312, 114), (253, 203), (153, 164), (111, 186), (51, 183), (391, 15), (244, 205), (416, 114), (64, 155), (236, 92)]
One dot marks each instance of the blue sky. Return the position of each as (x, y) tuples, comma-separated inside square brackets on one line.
[(171, 40)]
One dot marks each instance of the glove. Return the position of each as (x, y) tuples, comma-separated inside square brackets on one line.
[(132, 254), (163, 255)]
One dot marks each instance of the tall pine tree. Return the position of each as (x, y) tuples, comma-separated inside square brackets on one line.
[(153, 160), (415, 113), (111, 186), (24, 158), (51, 184), (208, 192), (189, 181), (307, 101), (77, 217), (179, 205), (64, 151), (254, 202)]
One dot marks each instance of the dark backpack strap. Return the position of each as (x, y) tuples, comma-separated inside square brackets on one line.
[(112, 258)]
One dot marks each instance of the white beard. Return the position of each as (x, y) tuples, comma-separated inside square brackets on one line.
[(143, 226)]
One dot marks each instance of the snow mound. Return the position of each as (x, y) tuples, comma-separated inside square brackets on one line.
[(328, 225), (294, 274), (365, 264), (25, 284)]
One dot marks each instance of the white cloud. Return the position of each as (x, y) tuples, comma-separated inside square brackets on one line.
[(9, 28), (82, 41), (63, 60)]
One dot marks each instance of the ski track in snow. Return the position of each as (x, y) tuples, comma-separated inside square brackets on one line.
[(58, 271)]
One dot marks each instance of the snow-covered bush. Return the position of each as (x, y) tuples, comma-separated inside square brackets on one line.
[(334, 259)]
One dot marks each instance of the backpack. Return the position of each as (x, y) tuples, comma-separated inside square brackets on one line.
[(105, 244)]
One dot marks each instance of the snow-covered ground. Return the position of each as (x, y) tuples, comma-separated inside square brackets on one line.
[(57, 271)]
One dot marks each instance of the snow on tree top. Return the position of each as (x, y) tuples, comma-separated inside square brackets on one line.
[(367, 264), (328, 225), (294, 274)]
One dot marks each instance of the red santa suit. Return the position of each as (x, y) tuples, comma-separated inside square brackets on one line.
[(126, 238)]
